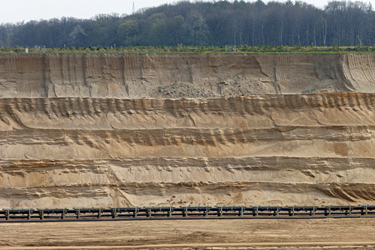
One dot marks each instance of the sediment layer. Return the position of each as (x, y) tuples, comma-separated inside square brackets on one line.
[(256, 150), (176, 76)]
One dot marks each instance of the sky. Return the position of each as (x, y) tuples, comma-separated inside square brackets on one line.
[(15, 11)]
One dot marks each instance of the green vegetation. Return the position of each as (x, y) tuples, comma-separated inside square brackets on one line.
[(192, 50), (248, 24)]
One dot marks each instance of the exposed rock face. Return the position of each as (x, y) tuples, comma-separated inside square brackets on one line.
[(139, 76), (73, 132)]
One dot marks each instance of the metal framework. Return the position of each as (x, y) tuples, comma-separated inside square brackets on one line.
[(219, 212)]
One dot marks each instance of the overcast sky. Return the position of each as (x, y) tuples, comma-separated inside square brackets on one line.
[(13, 11)]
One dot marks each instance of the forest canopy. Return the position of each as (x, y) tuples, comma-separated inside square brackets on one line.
[(210, 23)]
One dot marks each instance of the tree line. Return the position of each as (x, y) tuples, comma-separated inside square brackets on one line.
[(213, 23)]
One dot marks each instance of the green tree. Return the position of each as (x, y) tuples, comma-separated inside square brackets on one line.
[(157, 34), (198, 28), (176, 29), (128, 33)]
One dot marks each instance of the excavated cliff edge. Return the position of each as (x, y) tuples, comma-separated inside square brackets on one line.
[(72, 133), (175, 76)]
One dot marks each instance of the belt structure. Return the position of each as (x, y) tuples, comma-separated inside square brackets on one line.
[(191, 212)]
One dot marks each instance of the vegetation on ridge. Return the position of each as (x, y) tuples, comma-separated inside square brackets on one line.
[(191, 49), (211, 23)]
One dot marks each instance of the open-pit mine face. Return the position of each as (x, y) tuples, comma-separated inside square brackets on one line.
[(171, 130)]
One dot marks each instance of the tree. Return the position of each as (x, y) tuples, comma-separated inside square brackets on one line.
[(128, 33), (176, 29), (218, 22), (77, 36), (197, 27), (157, 34)]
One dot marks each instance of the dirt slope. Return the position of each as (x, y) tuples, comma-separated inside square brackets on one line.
[(262, 234), (174, 76), (74, 133)]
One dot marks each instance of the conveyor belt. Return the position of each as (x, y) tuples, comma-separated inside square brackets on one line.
[(219, 212)]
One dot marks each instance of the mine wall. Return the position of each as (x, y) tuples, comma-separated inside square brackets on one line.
[(182, 75), (176, 130)]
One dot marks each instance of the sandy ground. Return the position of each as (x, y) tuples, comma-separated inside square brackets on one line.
[(85, 131), (192, 234)]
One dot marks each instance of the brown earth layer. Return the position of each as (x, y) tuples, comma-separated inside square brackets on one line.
[(176, 76), (314, 149), (193, 235), (74, 132)]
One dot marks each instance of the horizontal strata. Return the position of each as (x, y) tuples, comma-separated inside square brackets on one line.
[(73, 128), (259, 105), (189, 136), (262, 150), (221, 143), (171, 181), (176, 76), (237, 112)]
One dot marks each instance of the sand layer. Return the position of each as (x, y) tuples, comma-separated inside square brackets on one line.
[(93, 130), (175, 76), (309, 234)]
